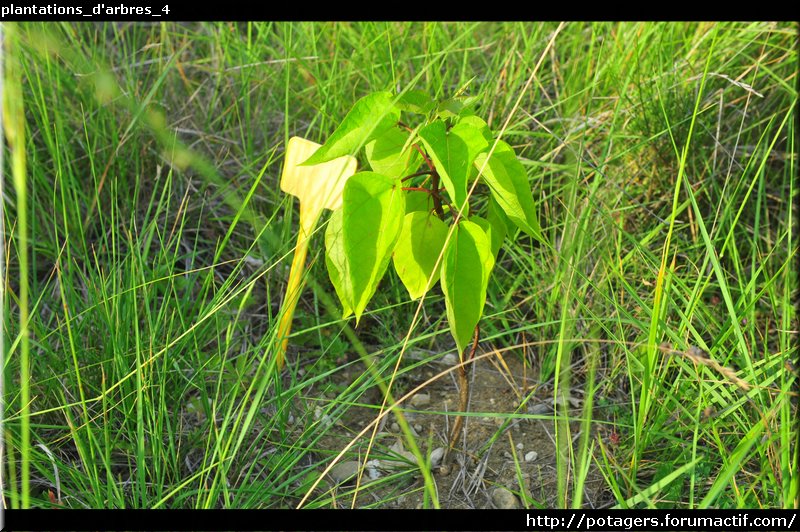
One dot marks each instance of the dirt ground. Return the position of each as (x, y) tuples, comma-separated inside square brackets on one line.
[(497, 457)]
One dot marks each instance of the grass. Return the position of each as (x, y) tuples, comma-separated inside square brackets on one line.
[(148, 244)]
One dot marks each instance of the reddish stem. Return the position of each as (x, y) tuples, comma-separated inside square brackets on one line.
[(437, 199), (427, 160), (405, 126), (417, 174)]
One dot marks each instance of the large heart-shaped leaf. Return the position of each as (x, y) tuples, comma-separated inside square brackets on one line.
[(468, 261), (508, 182), (421, 241), (336, 262), (391, 154), (369, 118), (452, 153), (371, 218)]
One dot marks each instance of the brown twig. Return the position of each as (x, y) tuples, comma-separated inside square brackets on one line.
[(405, 126), (424, 156), (416, 174), (437, 198)]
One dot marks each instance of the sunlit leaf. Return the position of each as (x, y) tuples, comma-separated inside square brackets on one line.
[(480, 125), (417, 200), (336, 263), (369, 118), (508, 182), (452, 153), (494, 228), (459, 105), (421, 241), (416, 101), (371, 218), (467, 264), (391, 154)]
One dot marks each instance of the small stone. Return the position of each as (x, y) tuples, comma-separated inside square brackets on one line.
[(253, 261), (344, 471), (421, 399), (504, 499), (450, 359), (573, 401), (323, 418), (409, 456), (540, 409), (395, 427), (418, 428), (507, 454), (416, 354), (498, 421), (530, 456), (373, 471), (290, 419), (436, 456), (520, 446), (444, 470), (399, 462)]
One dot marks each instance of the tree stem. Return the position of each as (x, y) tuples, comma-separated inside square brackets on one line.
[(463, 383), (437, 199)]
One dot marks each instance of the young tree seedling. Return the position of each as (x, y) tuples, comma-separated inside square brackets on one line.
[(414, 208)]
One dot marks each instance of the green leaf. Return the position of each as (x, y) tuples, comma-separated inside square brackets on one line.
[(486, 133), (467, 263), (372, 215), (452, 153), (496, 215), (369, 118), (417, 200), (495, 229), (416, 101), (458, 105), (508, 182), (336, 262), (391, 154), (421, 241), (480, 125)]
